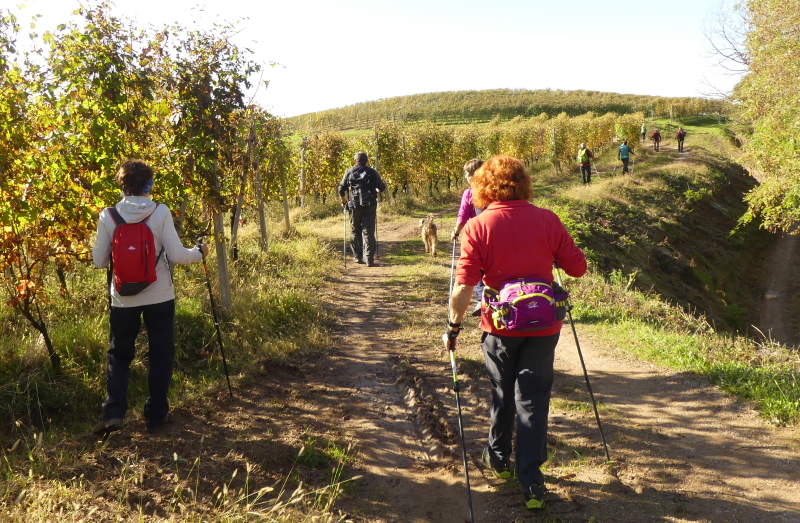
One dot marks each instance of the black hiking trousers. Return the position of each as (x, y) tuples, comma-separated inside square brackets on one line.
[(362, 232), (159, 320), (521, 372), (586, 173), (625, 165)]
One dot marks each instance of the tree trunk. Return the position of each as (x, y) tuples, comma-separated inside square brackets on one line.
[(41, 326)]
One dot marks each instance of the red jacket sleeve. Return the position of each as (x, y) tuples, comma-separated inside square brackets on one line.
[(567, 255)]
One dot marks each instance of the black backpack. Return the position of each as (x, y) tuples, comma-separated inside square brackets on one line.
[(361, 194)]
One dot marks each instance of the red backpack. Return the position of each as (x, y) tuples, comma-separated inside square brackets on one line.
[(133, 255)]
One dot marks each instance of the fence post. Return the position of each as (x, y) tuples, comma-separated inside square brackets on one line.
[(303, 171), (251, 142), (222, 254), (555, 152), (262, 219), (377, 154), (283, 188)]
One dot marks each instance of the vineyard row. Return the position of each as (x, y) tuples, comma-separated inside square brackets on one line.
[(426, 154)]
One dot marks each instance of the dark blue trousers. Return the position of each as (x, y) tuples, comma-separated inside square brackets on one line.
[(521, 372), (362, 232), (159, 320)]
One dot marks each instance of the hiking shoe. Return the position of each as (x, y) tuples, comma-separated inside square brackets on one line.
[(152, 428), (106, 427), (535, 496), (371, 263), (358, 260), (476, 311), (499, 470)]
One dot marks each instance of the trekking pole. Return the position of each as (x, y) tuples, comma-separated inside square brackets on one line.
[(344, 235), (214, 315), (377, 206), (456, 389), (585, 373), (109, 280)]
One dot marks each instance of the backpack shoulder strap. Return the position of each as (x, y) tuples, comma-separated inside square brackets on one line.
[(158, 258), (116, 216), (151, 213)]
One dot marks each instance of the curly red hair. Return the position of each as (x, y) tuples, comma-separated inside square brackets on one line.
[(501, 178)]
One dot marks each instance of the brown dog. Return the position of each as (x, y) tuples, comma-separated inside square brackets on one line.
[(428, 231)]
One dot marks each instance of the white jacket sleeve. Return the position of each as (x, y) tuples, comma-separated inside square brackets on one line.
[(101, 252), (172, 245)]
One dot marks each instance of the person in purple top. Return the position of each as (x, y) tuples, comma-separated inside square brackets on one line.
[(465, 212)]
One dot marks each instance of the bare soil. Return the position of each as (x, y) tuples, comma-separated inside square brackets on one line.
[(780, 298)]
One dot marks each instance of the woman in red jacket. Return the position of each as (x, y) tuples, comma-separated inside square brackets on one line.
[(511, 240)]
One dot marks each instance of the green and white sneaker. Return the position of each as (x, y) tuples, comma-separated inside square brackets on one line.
[(535, 496), (499, 469)]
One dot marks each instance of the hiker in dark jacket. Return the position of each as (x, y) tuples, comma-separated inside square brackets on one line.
[(624, 153), (155, 304), (585, 160), (501, 244), (359, 193), (680, 135)]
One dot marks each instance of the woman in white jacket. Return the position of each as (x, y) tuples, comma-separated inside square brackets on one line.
[(155, 304)]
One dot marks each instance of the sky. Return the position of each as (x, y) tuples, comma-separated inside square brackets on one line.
[(332, 53)]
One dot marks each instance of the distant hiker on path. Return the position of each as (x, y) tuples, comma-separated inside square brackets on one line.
[(644, 133), (359, 194), (155, 303), (465, 212), (680, 136), (656, 137), (624, 153), (585, 160), (501, 243)]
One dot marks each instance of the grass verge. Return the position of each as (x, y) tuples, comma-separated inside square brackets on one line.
[(50, 467)]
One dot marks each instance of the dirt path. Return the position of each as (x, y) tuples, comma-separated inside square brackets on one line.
[(684, 448), (683, 451), (404, 439)]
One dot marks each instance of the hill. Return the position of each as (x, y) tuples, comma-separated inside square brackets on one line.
[(458, 107)]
